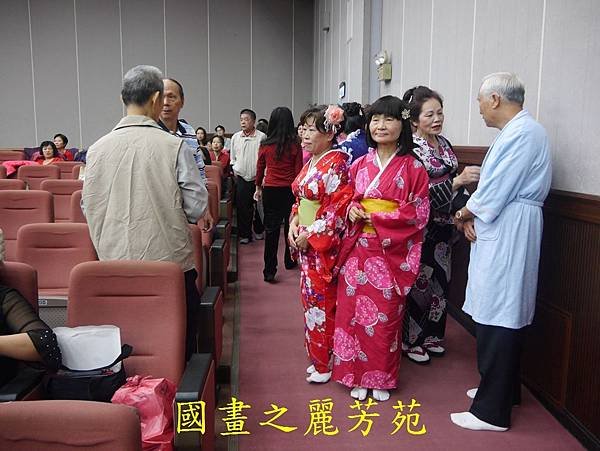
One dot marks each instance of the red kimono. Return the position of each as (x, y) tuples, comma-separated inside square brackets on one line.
[(380, 265), (327, 183)]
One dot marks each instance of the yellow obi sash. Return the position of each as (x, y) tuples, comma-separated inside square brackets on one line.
[(377, 206), (307, 211)]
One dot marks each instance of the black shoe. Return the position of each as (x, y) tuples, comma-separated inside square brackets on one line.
[(269, 278), (291, 265)]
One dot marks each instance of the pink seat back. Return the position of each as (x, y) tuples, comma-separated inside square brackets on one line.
[(22, 278), (2, 172), (214, 174), (76, 170), (54, 250), (61, 193), (69, 425), (11, 183), (33, 175), (20, 207), (76, 213), (66, 168), (146, 300), (11, 155)]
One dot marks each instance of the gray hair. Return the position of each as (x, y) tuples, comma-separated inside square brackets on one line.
[(506, 84), (140, 83)]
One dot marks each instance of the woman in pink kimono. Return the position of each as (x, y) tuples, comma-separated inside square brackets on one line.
[(380, 254), (317, 223)]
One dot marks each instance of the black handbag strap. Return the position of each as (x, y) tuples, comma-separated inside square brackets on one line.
[(126, 351)]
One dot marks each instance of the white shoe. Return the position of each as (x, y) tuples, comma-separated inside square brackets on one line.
[(311, 369), (259, 236), (417, 354), (319, 378), (359, 393), (471, 393), (469, 421), (381, 395)]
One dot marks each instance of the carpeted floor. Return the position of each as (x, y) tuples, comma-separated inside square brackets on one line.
[(272, 365)]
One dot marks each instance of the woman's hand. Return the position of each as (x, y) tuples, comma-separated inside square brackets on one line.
[(293, 233), (469, 230), (302, 241), (470, 174), (357, 214), (258, 194)]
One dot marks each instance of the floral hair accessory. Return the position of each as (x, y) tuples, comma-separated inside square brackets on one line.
[(334, 116), (405, 113)]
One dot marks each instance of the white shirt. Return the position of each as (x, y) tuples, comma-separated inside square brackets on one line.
[(244, 154)]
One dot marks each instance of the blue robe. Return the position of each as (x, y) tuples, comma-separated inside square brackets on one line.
[(515, 180)]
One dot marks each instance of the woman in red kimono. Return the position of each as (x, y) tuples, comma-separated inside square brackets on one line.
[(317, 223), (380, 254)]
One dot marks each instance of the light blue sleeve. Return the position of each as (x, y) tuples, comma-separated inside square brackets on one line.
[(191, 184), (502, 176)]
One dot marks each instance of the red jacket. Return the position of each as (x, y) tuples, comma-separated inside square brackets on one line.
[(279, 172)]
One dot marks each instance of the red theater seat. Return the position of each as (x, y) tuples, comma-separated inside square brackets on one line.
[(22, 278), (11, 183), (2, 172), (66, 168), (21, 207), (69, 426), (33, 175), (76, 170), (76, 213), (61, 193), (146, 300), (11, 155)]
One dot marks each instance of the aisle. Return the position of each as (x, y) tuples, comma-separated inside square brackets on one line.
[(271, 371)]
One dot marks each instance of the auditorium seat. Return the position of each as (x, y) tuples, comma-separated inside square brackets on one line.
[(33, 175), (54, 250), (11, 183), (61, 193), (76, 213), (216, 243), (11, 155), (214, 174), (27, 384), (20, 207), (76, 170), (66, 168), (210, 329), (69, 426), (123, 292), (2, 172)]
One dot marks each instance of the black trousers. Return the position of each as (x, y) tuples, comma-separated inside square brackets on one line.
[(498, 361), (246, 209), (277, 202), (192, 302)]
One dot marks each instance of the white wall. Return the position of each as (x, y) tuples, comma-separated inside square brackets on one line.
[(62, 62), (450, 45)]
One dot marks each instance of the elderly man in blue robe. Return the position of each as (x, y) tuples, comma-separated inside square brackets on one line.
[(503, 220)]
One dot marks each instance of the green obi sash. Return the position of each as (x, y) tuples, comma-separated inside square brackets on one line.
[(307, 211)]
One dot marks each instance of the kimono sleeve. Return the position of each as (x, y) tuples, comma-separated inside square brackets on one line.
[(330, 223), (502, 177)]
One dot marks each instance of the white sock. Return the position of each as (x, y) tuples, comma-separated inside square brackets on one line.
[(469, 421), (319, 378), (471, 393), (359, 393), (311, 369), (381, 395)]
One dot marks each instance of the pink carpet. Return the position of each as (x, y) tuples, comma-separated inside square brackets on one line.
[(272, 367)]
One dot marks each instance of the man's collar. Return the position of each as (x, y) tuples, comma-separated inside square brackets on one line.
[(136, 120), (249, 135), (180, 129)]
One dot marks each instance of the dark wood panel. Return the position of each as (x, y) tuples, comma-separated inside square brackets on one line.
[(561, 360)]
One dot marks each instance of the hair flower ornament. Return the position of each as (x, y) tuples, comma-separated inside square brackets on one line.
[(334, 116), (405, 113)]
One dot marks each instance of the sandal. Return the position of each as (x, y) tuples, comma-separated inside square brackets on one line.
[(433, 347), (416, 354)]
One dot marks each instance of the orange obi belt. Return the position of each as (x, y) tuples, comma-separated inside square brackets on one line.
[(377, 206)]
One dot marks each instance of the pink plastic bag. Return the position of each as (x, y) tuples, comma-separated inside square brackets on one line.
[(153, 399)]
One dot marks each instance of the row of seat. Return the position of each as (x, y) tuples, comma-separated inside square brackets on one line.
[(34, 174), (113, 292)]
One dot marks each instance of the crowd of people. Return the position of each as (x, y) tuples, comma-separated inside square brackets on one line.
[(371, 199)]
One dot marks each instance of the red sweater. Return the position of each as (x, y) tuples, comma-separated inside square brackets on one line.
[(279, 172)]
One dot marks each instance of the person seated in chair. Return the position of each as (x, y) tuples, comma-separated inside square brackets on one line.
[(49, 154), (23, 335)]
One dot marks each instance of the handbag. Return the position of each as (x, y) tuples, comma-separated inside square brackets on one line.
[(99, 384)]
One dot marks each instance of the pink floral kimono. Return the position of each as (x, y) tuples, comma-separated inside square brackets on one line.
[(325, 186), (380, 265)]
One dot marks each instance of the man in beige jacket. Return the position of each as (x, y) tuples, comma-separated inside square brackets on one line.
[(142, 188)]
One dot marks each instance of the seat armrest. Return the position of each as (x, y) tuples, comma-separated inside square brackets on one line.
[(210, 333), (190, 389), (25, 382), (221, 229), (217, 272)]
